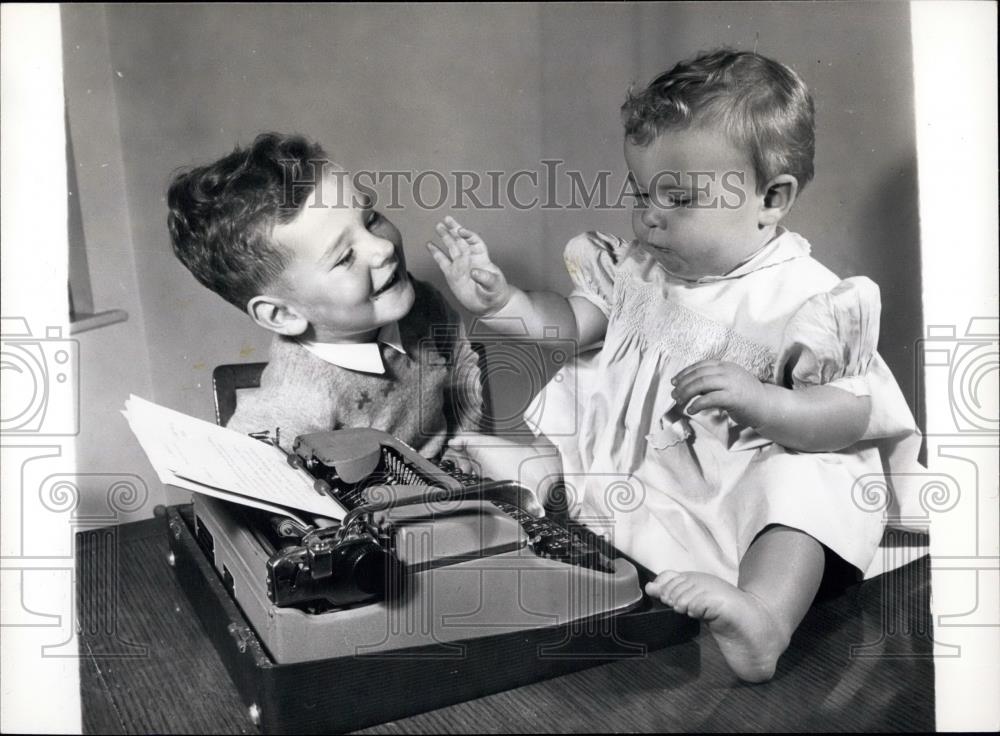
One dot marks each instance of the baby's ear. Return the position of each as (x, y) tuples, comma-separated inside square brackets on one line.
[(778, 199), (275, 314)]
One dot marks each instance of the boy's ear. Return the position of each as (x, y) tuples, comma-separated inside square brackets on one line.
[(275, 314), (778, 199)]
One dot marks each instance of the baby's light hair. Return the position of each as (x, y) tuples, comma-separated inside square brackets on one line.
[(763, 106), (222, 215)]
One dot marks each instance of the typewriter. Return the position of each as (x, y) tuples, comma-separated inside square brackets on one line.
[(425, 554), (432, 576)]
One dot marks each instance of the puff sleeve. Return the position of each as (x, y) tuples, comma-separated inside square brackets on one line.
[(832, 339), (592, 260)]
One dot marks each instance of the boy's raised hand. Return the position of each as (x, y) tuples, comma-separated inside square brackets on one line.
[(465, 262)]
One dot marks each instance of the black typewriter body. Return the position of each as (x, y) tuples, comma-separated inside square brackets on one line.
[(427, 565)]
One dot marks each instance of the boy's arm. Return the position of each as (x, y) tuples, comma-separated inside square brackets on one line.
[(482, 288), (808, 419)]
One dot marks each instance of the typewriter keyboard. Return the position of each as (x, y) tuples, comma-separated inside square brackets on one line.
[(550, 539), (545, 537)]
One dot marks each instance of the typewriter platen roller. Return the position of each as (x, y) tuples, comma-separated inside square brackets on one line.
[(425, 554)]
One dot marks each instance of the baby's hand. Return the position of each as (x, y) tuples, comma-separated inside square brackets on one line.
[(456, 455), (465, 262), (719, 385), (500, 458)]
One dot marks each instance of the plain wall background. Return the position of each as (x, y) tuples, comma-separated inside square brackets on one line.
[(449, 87)]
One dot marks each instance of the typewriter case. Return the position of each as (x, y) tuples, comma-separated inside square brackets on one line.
[(352, 692)]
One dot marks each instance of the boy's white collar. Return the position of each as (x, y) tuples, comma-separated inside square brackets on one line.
[(358, 356)]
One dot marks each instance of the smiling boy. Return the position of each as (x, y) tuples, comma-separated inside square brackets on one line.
[(278, 231)]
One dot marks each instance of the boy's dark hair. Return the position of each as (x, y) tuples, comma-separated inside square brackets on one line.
[(222, 215), (763, 106)]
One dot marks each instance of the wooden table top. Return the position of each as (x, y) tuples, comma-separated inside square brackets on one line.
[(860, 661)]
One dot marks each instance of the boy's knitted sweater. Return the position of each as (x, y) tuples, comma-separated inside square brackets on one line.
[(423, 397)]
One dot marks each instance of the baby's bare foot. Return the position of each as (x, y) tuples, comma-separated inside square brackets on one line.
[(750, 636)]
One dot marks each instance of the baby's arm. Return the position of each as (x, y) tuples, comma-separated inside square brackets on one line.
[(482, 288), (809, 419), (536, 464)]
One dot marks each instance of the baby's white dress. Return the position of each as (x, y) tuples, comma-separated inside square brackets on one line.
[(691, 493)]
